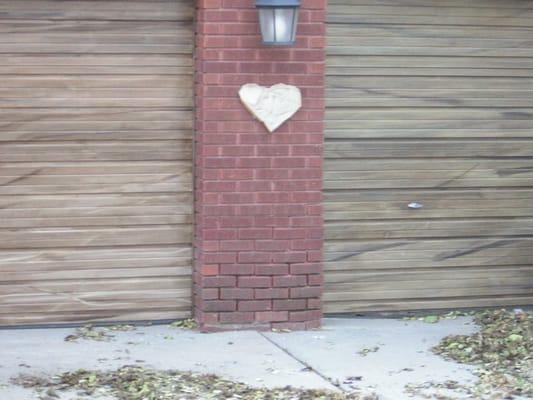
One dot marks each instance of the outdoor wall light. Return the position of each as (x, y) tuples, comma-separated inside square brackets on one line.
[(278, 20)]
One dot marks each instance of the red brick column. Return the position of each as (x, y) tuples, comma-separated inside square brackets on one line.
[(259, 216)]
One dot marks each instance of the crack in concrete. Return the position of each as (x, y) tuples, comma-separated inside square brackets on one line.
[(307, 366)]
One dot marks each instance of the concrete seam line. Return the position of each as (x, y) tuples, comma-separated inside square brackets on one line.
[(306, 365)]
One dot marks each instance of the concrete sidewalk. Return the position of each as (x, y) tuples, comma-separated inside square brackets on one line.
[(379, 355)]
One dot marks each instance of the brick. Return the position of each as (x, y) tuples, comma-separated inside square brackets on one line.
[(292, 185), (255, 67), (209, 270), (315, 280), (254, 305), (219, 210), (254, 186), (272, 269), (273, 197), (289, 162), (302, 316), (272, 245), (218, 257), (314, 256), (299, 304), (255, 209), (272, 316), (220, 186), (289, 257), (314, 324), (255, 138), (236, 317), (236, 174), (236, 222), (306, 268), (209, 294), (289, 281), (291, 210), (219, 305), (254, 162), (220, 234), (315, 233), (304, 292), (289, 233), (314, 244), (236, 294), (273, 150), (255, 281), (237, 269), (272, 221), (277, 293), (255, 257), (272, 174), (237, 198), (314, 304), (206, 318), (219, 281), (235, 245), (236, 151), (311, 221), (255, 233)]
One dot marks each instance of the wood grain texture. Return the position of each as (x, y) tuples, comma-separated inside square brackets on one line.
[(95, 160), (429, 102)]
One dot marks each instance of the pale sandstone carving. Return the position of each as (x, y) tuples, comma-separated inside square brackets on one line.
[(272, 106)]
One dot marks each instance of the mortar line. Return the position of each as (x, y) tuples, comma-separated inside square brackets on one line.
[(305, 364)]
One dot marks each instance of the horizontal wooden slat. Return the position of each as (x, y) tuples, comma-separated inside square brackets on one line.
[(423, 114), (133, 314), (381, 82), (394, 71), (343, 17), (438, 149), (352, 306), (99, 60), (96, 184), (430, 228), (96, 151), (76, 237), (133, 114), (55, 259), (418, 133), (498, 4), (95, 48), (55, 168), (97, 10), (370, 257), (456, 43), (91, 285), (64, 202), (444, 9), (97, 82), (428, 31)]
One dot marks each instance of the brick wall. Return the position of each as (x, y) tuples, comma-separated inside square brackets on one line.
[(259, 216)]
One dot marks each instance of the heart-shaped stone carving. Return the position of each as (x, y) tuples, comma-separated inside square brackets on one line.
[(272, 106)]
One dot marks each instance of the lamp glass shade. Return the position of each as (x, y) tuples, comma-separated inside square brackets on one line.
[(278, 25)]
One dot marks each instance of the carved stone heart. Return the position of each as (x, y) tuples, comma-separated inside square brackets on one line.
[(272, 106)]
